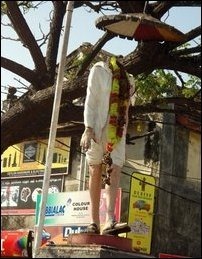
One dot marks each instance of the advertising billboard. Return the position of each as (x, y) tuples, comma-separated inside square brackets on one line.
[(73, 208), (18, 196), (141, 209)]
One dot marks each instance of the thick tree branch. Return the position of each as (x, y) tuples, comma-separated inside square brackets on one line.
[(132, 6), (30, 123), (183, 52), (96, 48), (189, 65), (26, 73), (23, 31), (188, 37), (163, 56), (187, 3), (54, 37), (162, 8), (188, 106)]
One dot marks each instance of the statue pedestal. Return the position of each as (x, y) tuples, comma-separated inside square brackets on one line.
[(85, 245), (121, 243)]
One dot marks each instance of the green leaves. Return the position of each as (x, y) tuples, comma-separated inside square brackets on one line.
[(3, 8), (162, 84)]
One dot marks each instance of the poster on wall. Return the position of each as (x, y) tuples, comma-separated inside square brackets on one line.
[(73, 208), (29, 158), (141, 207), (18, 197)]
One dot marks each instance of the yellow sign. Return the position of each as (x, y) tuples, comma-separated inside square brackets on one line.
[(31, 155), (141, 211)]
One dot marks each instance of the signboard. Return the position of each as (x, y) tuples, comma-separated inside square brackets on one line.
[(73, 230), (18, 197), (29, 158), (73, 208), (141, 211), (14, 243)]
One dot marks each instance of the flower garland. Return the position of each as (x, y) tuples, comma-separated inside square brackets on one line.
[(119, 99)]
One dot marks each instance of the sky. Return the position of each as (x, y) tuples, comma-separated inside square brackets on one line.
[(82, 30)]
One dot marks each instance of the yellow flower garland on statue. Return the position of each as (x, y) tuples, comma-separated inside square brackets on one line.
[(119, 99)]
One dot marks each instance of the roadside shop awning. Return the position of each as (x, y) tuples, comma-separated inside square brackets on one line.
[(139, 26)]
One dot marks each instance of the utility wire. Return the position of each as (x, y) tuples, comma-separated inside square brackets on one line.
[(162, 189), (162, 171), (126, 166)]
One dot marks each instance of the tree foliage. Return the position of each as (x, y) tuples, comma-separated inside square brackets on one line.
[(161, 84), (26, 118)]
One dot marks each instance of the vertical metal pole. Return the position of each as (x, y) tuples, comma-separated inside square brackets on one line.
[(80, 177), (85, 172), (53, 130)]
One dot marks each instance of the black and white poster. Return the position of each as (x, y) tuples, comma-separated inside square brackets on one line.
[(18, 196)]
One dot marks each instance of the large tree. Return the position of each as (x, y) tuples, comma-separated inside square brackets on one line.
[(30, 115)]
